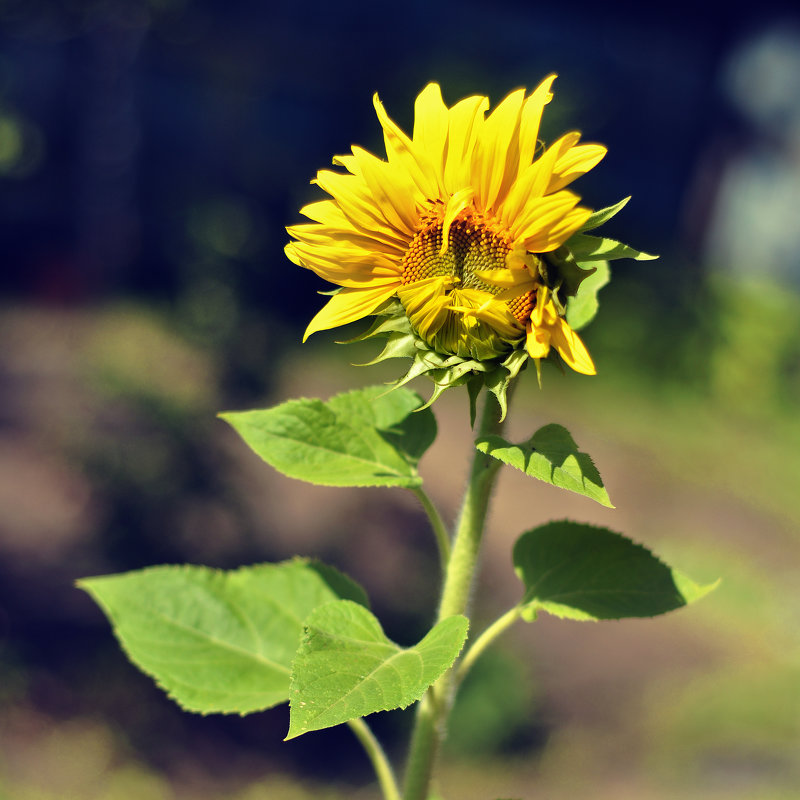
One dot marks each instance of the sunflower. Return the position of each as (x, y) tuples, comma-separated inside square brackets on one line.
[(458, 237)]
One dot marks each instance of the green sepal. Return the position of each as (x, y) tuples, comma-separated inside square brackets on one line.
[(585, 248), (582, 308), (444, 369), (570, 273), (603, 215), (218, 641), (582, 572), (367, 437), (498, 380), (346, 667), (550, 455)]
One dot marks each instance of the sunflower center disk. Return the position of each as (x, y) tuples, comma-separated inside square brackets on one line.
[(472, 247)]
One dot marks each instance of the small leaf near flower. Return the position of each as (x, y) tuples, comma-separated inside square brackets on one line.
[(346, 668), (603, 215), (582, 308), (587, 248), (550, 455), (368, 437), (582, 572), (218, 641)]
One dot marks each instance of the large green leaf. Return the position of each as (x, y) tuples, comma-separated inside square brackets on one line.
[(586, 573), (346, 667), (218, 641), (552, 456), (368, 437)]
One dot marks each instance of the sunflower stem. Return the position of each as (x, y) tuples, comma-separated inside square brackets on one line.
[(431, 721), (380, 763), (439, 528)]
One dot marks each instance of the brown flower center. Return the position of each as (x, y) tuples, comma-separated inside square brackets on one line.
[(472, 247)]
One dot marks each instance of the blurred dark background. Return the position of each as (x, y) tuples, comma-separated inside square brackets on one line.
[(151, 154)]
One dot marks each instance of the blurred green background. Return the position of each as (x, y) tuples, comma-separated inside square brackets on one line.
[(151, 154)]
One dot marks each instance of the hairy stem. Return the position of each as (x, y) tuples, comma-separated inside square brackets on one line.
[(381, 765), (430, 725)]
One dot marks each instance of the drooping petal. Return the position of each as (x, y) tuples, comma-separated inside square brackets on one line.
[(455, 205), (537, 342), (570, 347), (474, 303), (511, 282), (426, 304), (347, 306)]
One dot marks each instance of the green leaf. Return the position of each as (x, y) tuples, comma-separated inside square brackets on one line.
[(586, 573), (597, 248), (218, 641), (369, 437), (346, 667), (552, 456), (582, 308), (603, 215)]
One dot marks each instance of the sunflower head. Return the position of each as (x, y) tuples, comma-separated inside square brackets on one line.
[(464, 244)]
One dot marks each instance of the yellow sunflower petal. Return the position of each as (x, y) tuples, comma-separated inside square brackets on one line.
[(530, 120), (325, 212), (466, 119), (426, 304), (539, 215), (333, 220), (348, 162), (577, 161), (511, 282), (347, 306), (354, 198), (327, 236), (474, 303), (571, 348), (548, 239), (430, 127), (392, 190), (345, 266), (496, 157), (537, 341), (455, 205), (527, 189), (400, 149)]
